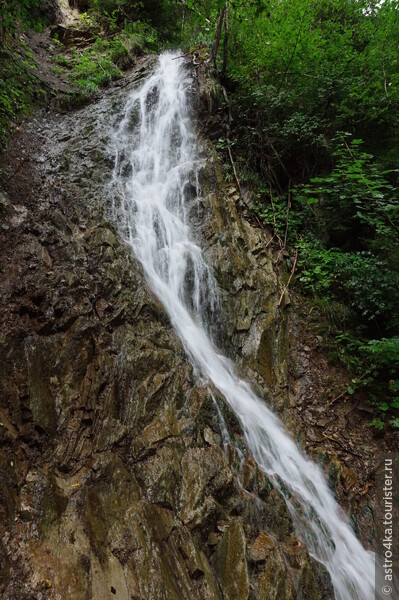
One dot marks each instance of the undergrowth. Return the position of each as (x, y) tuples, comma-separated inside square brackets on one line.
[(105, 59), (20, 87), (113, 46), (344, 227)]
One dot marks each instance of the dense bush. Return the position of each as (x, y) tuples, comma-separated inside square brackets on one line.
[(344, 225), (14, 12), (358, 280), (19, 85), (356, 207)]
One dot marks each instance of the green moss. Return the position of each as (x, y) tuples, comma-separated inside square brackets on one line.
[(332, 475), (20, 88), (101, 62)]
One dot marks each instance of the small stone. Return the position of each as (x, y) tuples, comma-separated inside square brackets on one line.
[(223, 525), (348, 478), (210, 437), (261, 547)]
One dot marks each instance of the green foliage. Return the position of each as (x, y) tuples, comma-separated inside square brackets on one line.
[(360, 296), (162, 16), (359, 280), (357, 206), (17, 12), (306, 68), (105, 59), (382, 358), (344, 226), (272, 210), (375, 368), (93, 67), (119, 37), (18, 88)]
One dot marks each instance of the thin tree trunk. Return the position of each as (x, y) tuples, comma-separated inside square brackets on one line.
[(216, 41), (226, 38)]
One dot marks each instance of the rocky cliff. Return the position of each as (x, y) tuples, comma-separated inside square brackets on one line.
[(123, 476)]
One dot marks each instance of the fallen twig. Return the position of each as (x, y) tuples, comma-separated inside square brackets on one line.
[(345, 391), (330, 439), (270, 241), (24, 160), (288, 213), (344, 448), (289, 280), (351, 411)]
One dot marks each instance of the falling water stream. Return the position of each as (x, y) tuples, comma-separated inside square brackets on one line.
[(156, 158)]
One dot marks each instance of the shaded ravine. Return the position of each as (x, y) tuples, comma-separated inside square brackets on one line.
[(156, 161)]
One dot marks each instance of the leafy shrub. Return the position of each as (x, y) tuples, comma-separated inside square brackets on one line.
[(104, 60), (361, 281), (17, 12), (18, 87), (93, 67), (162, 16), (375, 368), (382, 359), (356, 206)]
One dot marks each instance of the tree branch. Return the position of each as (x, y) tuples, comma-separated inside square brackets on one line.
[(289, 280), (226, 38)]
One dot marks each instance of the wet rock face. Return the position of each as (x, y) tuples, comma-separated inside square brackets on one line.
[(115, 480), (250, 326)]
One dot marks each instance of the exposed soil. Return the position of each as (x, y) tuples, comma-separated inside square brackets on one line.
[(335, 425)]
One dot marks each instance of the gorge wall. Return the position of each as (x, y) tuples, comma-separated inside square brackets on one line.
[(119, 479)]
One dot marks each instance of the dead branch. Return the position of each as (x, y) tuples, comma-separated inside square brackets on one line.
[(288, 212), (274, 216), (293, 52), (345, 391), (334, 441), (21, 163), (344, 448), (183, 55), (277, 156), (289, 280), (351, 411)]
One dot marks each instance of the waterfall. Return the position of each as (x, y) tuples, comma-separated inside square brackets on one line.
[(156, 161)]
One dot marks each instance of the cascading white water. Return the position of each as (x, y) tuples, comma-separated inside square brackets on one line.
[(156, 157)]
